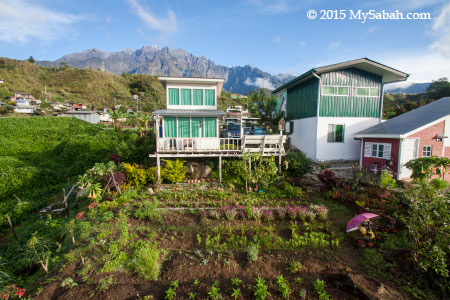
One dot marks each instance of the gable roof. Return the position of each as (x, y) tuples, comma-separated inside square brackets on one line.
[(189, 113), (387, 74), (409, 121)]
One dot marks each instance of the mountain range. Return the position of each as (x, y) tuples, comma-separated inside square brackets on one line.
[(168, 62), (415, 88)]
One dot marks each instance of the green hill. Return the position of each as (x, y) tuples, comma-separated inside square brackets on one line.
[(93, 87)]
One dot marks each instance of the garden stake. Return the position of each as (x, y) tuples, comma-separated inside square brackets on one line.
[(12, 228), (114, 181)]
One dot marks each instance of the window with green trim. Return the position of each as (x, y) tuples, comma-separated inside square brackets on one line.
[(210, 127), (174, 96), (335, 90), (210, 98), (184, 127), (170, 127), (335, 133), (197, 127), (366, 92), (186, 97), (198, 96)]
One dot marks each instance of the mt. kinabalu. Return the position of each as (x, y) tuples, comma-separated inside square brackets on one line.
[(167, 62)]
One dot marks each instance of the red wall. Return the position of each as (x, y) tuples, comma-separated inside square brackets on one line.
[(427, 137), (381, 162)]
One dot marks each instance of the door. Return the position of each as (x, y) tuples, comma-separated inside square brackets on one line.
[(409, 151)]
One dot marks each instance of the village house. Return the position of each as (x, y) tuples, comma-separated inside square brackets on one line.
[(422, 132), (189, 127), (85, 115), (326, 106)]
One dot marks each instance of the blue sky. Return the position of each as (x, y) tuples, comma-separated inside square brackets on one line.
[(273, 35)]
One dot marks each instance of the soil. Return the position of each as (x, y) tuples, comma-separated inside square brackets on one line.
[(341, 270)]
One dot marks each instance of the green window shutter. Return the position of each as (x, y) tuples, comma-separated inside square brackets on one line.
[(339, 137), (210, 127), (209, 97), (170, 127), (174, 97), (184, 127), (186, 97), (197, 127), (198, 97)]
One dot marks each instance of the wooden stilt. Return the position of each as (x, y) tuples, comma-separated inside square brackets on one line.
[(220, 168), (279, 164), (158, 167)]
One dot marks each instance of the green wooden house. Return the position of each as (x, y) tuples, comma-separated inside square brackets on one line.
[(327, 105)]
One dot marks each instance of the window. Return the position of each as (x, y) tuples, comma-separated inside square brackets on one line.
[(335, 133), (186, 97), (174, 96), (366, 92), (186, 127), (378, 150), (198, 96), (335, 90), (426, 151), (210, 98)]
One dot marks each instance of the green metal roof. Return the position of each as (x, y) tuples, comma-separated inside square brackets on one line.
[(387, 73)]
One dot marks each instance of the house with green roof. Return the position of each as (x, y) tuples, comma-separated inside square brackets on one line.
[(327, 105)]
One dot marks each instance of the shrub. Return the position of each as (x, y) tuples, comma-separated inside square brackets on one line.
[(439, 184), (320, 210), (138, 176), (292, 192), (174, 171), (386, 180), (146, 260), (298, 163)]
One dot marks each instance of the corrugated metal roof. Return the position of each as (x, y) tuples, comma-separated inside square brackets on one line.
[(190, 112), (388, 74), (81, 112), (411, 120)]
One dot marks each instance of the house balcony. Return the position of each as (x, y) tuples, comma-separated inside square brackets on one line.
[(265, 144)]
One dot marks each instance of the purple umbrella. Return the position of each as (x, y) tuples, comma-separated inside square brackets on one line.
[(353, 223)]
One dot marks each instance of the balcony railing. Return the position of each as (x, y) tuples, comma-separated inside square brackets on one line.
[(249, 143)]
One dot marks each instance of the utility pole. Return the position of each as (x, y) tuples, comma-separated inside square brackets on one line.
[(45, 92)]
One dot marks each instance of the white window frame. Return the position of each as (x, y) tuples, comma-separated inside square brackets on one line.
[(386, 153), (334, 133), (365, 87), (377, 145), (426, 150), (336, 86)]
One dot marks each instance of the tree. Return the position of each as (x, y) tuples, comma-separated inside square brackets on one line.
[(31, 60), (438, 89), (4, 92), (263, 105)]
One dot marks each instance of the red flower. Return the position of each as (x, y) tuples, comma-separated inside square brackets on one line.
[(80, 215), (93, 204), (175, 189)]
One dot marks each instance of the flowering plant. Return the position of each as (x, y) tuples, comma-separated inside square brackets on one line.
[(11, 291)]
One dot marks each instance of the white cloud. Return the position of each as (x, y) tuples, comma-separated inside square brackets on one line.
[(22, 21), (441, 29), (333, 45), (260, 83), (167, 25), (422, 67)]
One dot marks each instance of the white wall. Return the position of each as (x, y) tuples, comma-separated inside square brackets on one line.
[(304, 136), (191, 86), (350, 148)]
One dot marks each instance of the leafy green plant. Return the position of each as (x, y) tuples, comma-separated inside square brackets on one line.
[(137, 175), (236, 282), (236, 293), (252, 252), (171, 291), (298, 163), (295, 267), (283, 287), (68, 283), (196, 282), (105, 283), (260, 290), (213, 292), (148, 210), (423, 168), (146, 260), (38, 251), (192, 296), (319, 288), (174, 171)]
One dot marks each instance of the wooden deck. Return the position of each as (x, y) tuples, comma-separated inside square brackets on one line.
[(177, 147)]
